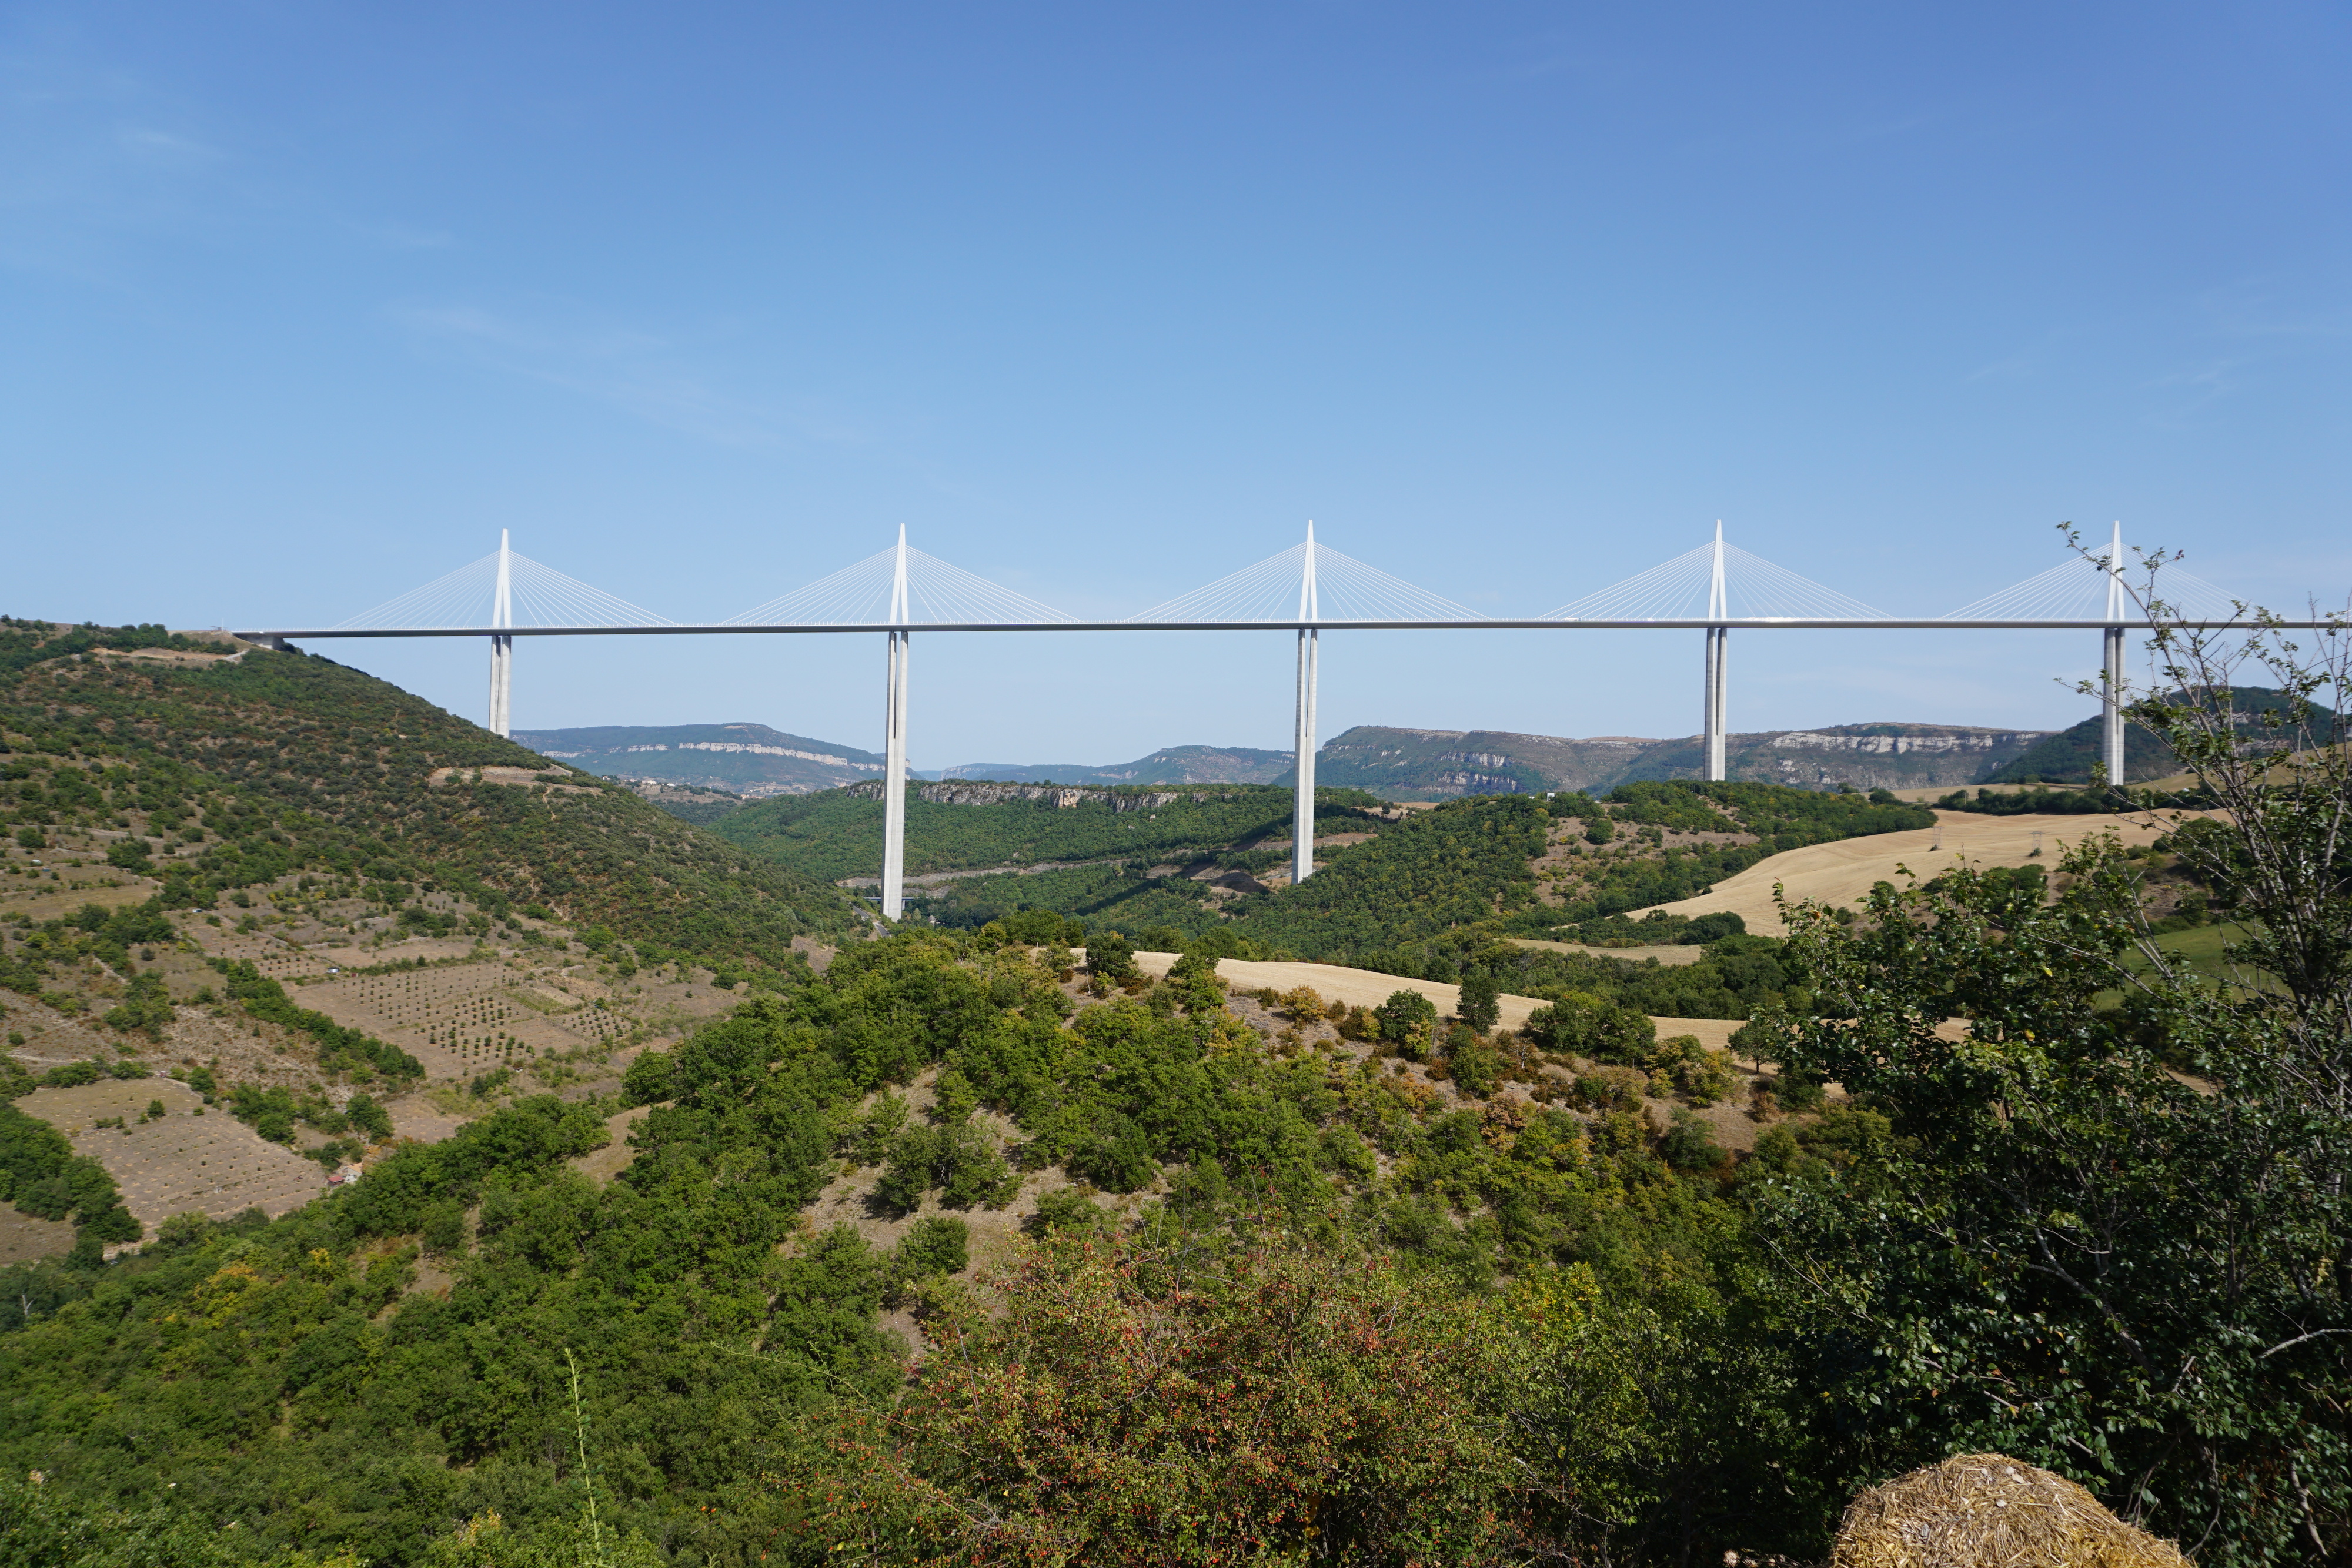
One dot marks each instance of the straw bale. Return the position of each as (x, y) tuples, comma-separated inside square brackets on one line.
[(1984, 1511)]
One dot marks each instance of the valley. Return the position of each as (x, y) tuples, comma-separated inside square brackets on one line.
[(371, 1078)]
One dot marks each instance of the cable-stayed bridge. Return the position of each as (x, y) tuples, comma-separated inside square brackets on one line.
[(1716, 588)]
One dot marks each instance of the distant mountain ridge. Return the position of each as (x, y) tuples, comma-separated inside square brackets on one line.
[(749, 759), (1439, 764), (755, 761), (1169, 765), (1395, 762)]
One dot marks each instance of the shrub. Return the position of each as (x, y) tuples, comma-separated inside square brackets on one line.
[(1327, 1406), (1066, 1209), (1302, 1005), (1476, 1068), (1681, 1066), (1607, 1089), (1689, 1145), (935, 1244)]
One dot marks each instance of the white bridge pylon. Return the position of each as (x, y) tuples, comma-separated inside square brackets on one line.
[(1297, 586), (1717, 582), (2092, 587), (900, 588), (503, 589)]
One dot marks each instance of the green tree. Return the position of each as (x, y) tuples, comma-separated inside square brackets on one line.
[(2110, 1239), (1479, 1006), (935, 1244), (1111, 955), (369, 1116), (130, 854), (1408, 1021)]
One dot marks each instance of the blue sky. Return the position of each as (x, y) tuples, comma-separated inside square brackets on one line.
[(303, 303)]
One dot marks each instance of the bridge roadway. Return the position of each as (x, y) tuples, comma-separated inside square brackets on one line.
[(1790, 624)]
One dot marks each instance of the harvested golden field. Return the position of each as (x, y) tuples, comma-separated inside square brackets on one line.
[(1843, 872)]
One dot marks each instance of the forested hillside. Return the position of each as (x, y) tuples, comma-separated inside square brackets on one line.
[(2069, 755), (1427, 1295), (291, 1375), (237, 770), (1504, 864), (957, 826)]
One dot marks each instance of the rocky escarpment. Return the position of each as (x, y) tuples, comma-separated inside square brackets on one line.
[(1433, 764)]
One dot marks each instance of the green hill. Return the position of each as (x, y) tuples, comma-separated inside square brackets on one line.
[(1507, 862), (960, 825), (951, 1253), (237, 771), (2069, 755)]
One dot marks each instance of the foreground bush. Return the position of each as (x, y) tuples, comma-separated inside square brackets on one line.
[(1139, 1407)]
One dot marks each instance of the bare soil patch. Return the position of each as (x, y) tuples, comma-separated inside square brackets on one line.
[(24, 1240), (190, 1159), (600, 1165), (522, 776)]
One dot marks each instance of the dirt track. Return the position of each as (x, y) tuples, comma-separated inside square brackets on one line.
[(1841, 873)]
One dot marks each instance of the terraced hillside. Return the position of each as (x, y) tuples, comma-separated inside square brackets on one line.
[(267, 886)]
